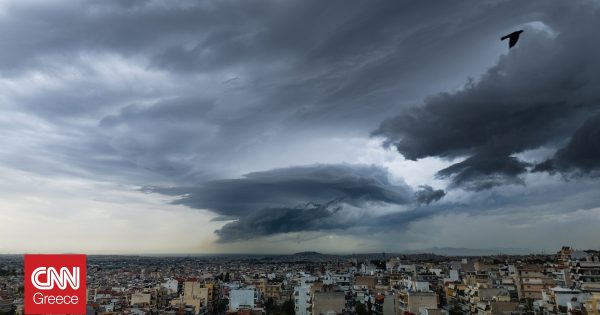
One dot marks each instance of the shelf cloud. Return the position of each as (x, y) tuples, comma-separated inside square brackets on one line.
[(301, 198)]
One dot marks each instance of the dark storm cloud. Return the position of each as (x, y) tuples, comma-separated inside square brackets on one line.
[(503, 201), (324, 56), (161, 137), (485, 170), (271, 221), (271, 72), (185, 93), (581, 155), (292, 186), (293, 199), (334, 216), (538, 94), (426, 194)]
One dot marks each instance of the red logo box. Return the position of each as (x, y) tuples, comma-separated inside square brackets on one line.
[(55, 284)]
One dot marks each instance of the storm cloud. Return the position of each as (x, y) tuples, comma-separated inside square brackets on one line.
[(306, 198), (537, 95), (427, 194), (271, 221), (581, 155), (254, 119), (189, 91)]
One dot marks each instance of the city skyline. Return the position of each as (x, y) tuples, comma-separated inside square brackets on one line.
[(163, 127)]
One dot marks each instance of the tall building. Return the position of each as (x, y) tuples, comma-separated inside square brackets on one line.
[(273, 291), (302, 302), (530, 281), (585, 270), (212, 292), (562, 277), (564, 255), (195, 295)]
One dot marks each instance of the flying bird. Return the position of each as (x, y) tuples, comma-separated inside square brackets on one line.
[(513, 38)]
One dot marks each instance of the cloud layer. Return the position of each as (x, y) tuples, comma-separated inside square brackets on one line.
[(307, 198), (261, 113), (581, 155), (185, 91), (537, 95)]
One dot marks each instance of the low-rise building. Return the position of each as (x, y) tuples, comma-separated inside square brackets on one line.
[(329, 303), (242, 298)]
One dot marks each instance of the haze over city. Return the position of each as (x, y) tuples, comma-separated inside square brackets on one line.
[(191, 127)]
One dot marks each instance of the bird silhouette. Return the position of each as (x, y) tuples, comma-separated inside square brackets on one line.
[(513, 38)]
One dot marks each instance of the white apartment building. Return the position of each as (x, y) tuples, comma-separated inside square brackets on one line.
[(242, 298)]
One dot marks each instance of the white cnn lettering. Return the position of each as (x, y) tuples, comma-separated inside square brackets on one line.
[(61, 279)]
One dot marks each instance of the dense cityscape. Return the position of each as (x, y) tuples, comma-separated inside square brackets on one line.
[(311, 283)]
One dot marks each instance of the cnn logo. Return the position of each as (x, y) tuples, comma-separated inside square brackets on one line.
[(53, 277), (55, 284)]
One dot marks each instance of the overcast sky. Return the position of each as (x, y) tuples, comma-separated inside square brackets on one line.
[(283, 126)]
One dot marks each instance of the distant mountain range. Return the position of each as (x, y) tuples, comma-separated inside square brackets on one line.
[(457, 251), (439, 251), (442, 251), (309, 255)]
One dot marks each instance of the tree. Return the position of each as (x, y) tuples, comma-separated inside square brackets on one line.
[(221, 307), (270, 306), (288, 307), (361, 309)]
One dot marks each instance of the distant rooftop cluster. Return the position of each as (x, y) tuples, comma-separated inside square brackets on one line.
[(310, 283)]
